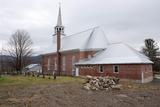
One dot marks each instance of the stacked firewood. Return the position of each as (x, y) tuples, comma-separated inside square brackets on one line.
[(101, 83)]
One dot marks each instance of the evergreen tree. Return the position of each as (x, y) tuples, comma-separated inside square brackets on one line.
[(151, 50)]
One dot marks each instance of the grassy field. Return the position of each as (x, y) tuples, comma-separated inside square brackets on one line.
[(21, 91), (29, 80)]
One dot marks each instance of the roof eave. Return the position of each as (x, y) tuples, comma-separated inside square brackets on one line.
[(78, 64)]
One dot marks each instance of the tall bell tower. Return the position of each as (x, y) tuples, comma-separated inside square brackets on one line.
[(59, 31), (59, 26)]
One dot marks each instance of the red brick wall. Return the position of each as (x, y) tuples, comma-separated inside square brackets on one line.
[(68, 59), (85, 54), (147, 69), (126, 71), (45, 63)]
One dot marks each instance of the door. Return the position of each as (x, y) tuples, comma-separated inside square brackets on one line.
[(73, 66), (77, 71)]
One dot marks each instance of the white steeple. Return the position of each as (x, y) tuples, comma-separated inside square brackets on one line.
[(59, 21), (59, 27)]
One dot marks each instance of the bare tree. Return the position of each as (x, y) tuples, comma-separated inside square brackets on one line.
[(20, 49)]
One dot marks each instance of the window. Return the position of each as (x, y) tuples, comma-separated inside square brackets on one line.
[(49, 63), (55, 63), (116, 69), (73, 65), (58, 29), (101, 69), (73, 62), (89, 56), (63, 63)]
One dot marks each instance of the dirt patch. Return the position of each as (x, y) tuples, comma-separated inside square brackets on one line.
[(73, 95)]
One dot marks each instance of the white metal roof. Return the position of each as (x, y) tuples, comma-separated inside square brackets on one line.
[(90, 39), (32, 66), (118, 53)]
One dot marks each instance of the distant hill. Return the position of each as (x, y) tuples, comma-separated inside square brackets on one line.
[(5, 57), (33, 59), (36, 59)]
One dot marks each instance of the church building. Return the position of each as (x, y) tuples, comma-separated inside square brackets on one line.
[(89, 53)]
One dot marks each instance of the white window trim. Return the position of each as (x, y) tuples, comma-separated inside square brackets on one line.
[(114, 69), (100, 68)]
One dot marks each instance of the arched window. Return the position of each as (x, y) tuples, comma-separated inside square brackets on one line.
[(57, 29)]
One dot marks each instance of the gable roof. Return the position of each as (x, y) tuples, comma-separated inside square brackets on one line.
[(118, 53), (90, 39), (32, 66)]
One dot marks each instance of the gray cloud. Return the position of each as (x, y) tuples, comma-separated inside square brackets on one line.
[(129, 21)]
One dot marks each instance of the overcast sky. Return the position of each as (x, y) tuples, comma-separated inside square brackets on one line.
[(128, 21)]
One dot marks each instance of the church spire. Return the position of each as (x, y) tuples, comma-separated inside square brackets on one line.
[(59, 26), (59, 21)]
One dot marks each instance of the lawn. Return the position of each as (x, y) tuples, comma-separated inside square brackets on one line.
[(29, 80), (21, 91)]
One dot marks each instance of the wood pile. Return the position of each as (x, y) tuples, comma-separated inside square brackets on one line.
[(102, 83)]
